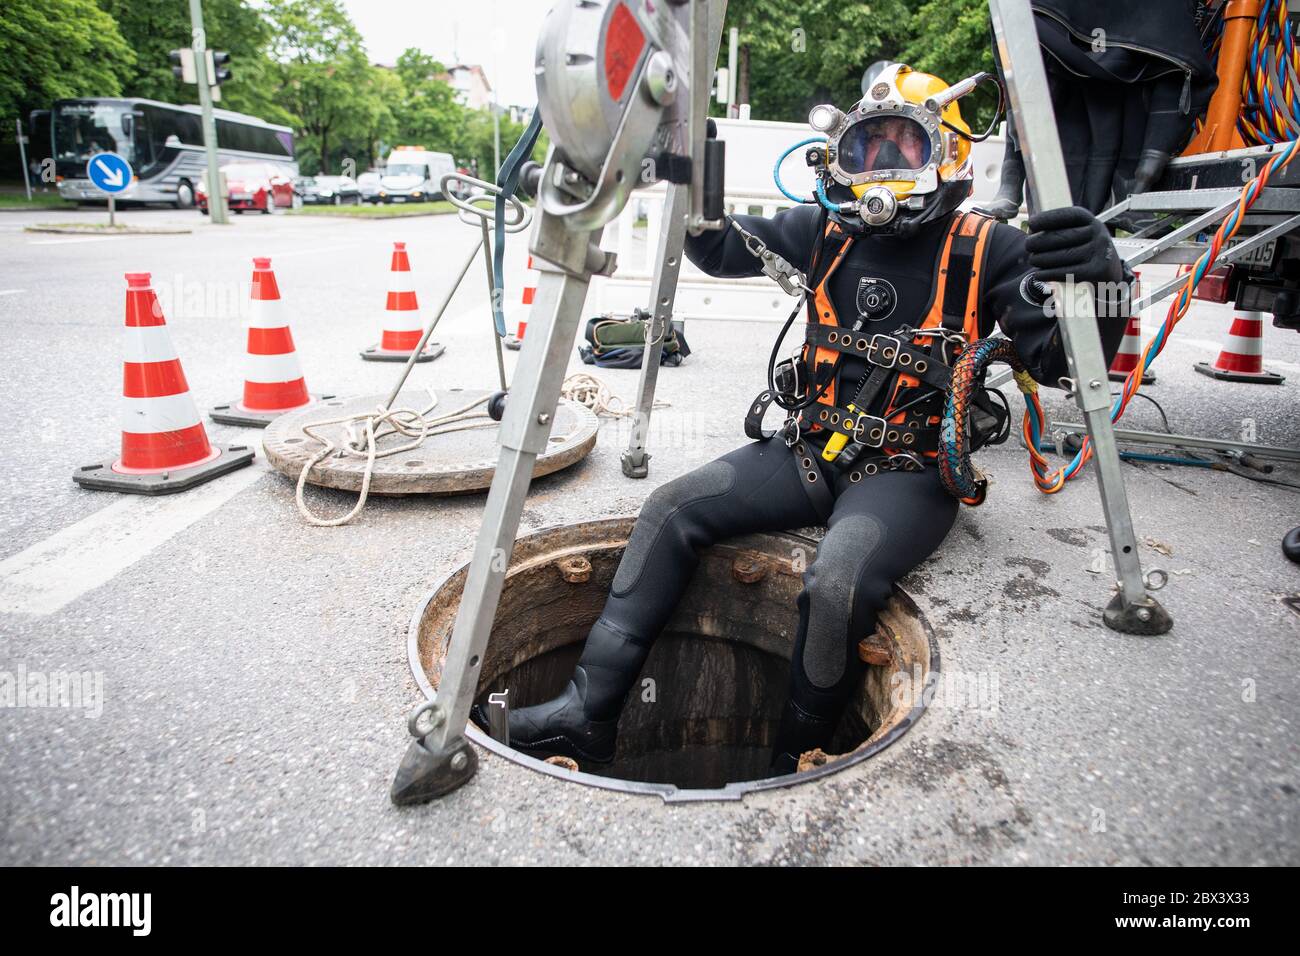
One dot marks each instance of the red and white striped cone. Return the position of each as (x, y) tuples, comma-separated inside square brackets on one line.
[(1130, 354), (526, 297), (164, 445), (402, 328), (1242, 358), (273, 379)]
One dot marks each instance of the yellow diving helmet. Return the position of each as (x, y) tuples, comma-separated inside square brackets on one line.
[(901, 156)]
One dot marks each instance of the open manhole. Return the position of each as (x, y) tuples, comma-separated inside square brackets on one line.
[(700, 722)]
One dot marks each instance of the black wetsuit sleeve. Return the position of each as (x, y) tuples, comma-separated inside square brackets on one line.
[(1016, 305), (791, 234)]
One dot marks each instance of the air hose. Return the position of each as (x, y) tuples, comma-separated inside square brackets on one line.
[(1050, 482), (956, 470), (1270, 86), (776, 170)]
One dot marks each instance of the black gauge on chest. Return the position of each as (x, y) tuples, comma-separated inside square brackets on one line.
[(876, 298)]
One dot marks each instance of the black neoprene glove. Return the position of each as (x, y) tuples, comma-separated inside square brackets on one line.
[(1072, 242)]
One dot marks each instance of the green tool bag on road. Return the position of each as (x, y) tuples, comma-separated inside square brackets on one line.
[(620, 343)]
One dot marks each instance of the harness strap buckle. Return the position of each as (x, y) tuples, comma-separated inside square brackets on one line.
[(869, 430), (883, 350)]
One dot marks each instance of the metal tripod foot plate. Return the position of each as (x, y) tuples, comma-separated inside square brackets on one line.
[(102, 477), (423, 774), (1146, 617), (456, 462)]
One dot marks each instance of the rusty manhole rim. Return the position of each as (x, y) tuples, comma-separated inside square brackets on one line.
[(671, 793)]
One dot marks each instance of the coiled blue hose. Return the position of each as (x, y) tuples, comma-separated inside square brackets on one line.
[(776, 170)]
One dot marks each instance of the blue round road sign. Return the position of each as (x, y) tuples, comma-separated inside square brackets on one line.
[(109, 172)]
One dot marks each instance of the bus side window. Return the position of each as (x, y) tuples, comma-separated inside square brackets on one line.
[(143, 142)]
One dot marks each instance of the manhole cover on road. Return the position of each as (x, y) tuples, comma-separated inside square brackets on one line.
[(445, 464), (702, 728)]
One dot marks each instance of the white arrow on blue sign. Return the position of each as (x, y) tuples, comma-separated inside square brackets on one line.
[(109, 172)]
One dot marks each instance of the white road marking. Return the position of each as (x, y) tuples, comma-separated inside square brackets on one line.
[(53, 573), (11, 291)]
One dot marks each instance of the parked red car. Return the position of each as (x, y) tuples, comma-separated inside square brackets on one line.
[(259, 186)]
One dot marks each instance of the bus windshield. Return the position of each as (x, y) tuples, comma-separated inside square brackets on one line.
[(82, 130)]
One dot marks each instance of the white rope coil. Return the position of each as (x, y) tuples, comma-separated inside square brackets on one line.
[(591, 392), (364, 432)]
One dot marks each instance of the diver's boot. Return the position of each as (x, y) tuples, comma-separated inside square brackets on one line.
[(582, 722), (799, 732), (1011, 193)]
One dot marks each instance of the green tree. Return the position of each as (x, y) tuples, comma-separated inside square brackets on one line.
[(790, 62), (429, 115), (384, 94), (320, 68), (55, 49), (153, 28), (951, 39)]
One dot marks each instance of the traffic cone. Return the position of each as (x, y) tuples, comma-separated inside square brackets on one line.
[(273, 380), (402, 328), (1130, 349), (165, 448), (516, 341), (1130, 354), (1242, 358)]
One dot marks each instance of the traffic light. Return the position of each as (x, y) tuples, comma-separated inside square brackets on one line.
[(218, 67), (183, 65)]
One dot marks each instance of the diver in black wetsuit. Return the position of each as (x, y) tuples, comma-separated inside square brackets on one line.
[(885, 251)]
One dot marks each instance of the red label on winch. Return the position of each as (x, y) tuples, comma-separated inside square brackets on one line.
[(623, 45)]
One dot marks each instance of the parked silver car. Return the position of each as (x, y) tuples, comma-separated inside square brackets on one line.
[(368, 185)]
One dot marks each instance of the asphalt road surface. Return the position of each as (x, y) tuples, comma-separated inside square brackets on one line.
[(252, 670)]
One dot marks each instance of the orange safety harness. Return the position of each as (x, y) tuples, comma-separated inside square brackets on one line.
[(908, 362)]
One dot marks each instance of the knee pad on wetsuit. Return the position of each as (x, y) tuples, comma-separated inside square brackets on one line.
[(668, 511)]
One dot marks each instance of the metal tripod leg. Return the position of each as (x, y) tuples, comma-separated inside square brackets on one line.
[(677, 213), (663, 293), (1133, 610), (439, 760)]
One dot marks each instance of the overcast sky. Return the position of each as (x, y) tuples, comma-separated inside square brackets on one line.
[(499, 35)]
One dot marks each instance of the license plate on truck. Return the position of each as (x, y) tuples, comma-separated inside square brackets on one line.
[(1261, 257)]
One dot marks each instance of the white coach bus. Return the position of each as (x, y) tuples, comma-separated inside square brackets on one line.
[(163, 142)]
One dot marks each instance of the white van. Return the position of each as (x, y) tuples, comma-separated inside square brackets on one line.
[(414, 174)]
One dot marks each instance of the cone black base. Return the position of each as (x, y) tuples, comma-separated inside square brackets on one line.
[(231, 414), (1148, 377), (376, 354), (1258, 378), (102, 477)]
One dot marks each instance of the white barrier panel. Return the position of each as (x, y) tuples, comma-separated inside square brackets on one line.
[(752, 149)]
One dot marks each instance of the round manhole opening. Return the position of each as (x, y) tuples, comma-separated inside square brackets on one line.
[(700, 721)]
